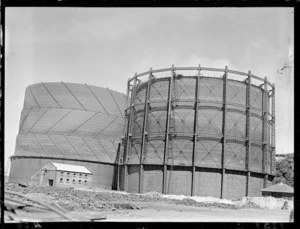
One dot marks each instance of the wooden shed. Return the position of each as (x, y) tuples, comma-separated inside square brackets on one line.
[(279, 190)]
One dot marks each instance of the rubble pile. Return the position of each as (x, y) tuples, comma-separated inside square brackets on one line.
[(97, 199)]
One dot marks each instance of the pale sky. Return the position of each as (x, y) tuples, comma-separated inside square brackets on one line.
[(106, 46)]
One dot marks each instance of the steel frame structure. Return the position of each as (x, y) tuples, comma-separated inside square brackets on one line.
[(268, 121)]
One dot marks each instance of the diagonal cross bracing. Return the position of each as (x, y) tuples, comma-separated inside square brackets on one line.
[(157, 121), (59, 121), (115, 102), (34, 97), (155, 149), (183, 118), (95, 154), (209, 152), (234, 154), (96, 113), (73, 146), (235, 124), (183, 90), (51, 95), (210, 89), (21, 125), (180, 150), (105, 127), (96, 98), (40, 144), (38, 120), (49, 136), (73, 95), (158, 92), (236, 90), (210, 122), (105, 150)]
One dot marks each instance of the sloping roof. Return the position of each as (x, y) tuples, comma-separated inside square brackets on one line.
[(280, 187), (71, 168)]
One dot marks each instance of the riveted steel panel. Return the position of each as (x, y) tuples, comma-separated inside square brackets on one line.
[(236, 92), (235, 185), (256, 159), (235, 125), (208, 154), (181, 152), (208, 182), (256, 184), (211, 89), (153, 178), (235, 156), (179, 181), (154, 153), (133, 178), (210, 122), (159, 93), (156, 122), (256, 97), (256, 129)]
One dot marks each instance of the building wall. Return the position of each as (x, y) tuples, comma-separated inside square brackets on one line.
[(288, 196), (46, 176), (23, 168), (73, 179)]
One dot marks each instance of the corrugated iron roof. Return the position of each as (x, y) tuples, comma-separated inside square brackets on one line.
[(280, 187), (71, 168)]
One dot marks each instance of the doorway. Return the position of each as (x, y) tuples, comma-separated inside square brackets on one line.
[(50, 182)]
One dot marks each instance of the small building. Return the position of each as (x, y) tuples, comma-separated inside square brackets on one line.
[(62, 175), (279, 190)]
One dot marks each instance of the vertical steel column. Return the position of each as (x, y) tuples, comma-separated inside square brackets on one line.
[(167, 135), (265, 131), (273, 146), (195, 130), (117, 167), (146, 110), (224, 129), (248, 138), (125, 129), (2, 140), (129, 135)]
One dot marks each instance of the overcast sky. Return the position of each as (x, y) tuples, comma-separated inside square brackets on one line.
[(106, 46)]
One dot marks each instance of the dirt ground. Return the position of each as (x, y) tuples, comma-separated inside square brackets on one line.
[(96, 204)]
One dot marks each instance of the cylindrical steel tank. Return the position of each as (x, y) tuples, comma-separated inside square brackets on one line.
[(69, 123), (198, 131)]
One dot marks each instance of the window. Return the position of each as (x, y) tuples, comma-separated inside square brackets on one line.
[(80, 174), (68, 180), (61, 173), (85, 182), (61, 180), (74, 174), (79, 181), (68, 174), (85, 176), (73, 181)]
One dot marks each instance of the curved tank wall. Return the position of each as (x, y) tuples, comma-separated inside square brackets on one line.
[(69, 123), (221, 149)]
